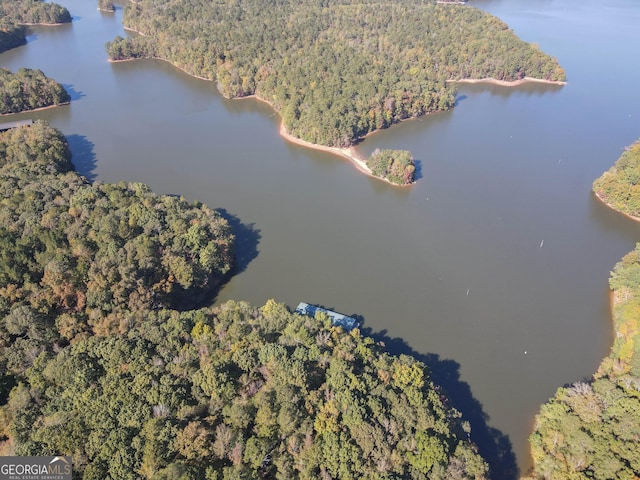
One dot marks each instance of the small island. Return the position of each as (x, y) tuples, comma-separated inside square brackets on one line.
[(343, 70), (396, 166), (106, 6), (28, 90)]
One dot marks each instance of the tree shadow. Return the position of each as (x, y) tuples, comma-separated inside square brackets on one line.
[(459, 98), (247, 240), (493, 445), (73, 93), (82, 155), (417, 175)]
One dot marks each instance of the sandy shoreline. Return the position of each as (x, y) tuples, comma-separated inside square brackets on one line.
[(504, 83), (629, 216), (35, 109), (349, 153)]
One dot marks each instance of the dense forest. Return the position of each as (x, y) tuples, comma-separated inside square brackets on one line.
[(334, 70), (28, 12), (619, 187), (591, 429), (11, 35), (29, 89), (106, 355)]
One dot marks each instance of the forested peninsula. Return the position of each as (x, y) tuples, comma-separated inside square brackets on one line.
[(33, 12), (591, 429), (619, 187), (107, 355), (29, 89), (335, 71)]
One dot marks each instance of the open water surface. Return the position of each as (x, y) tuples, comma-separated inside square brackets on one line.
[(493, 268)]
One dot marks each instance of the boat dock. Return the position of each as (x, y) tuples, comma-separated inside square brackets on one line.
[(20, 123), (348, 323)]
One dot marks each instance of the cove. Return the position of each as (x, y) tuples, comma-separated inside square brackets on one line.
[(508, 170)]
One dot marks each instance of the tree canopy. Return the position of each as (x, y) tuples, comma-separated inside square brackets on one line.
[(106, 356), (334, 70), (28, 90), (27, 12)]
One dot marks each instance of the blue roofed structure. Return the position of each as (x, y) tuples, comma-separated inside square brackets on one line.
[(348, 323)]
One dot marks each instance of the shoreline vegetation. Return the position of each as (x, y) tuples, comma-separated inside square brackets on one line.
[(591, 429), (35, 109), (618, 187), (509, 83), (343, 71), (349, 153), (35, 12)]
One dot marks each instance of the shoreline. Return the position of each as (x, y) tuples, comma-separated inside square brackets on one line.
[(183, 70), (505, 83), (349, 153), (44, 24), (628, 215), (35, 109)]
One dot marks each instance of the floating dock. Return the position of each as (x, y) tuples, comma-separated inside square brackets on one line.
[(348, 323)]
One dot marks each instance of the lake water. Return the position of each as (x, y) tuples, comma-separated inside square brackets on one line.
[(493, 268)]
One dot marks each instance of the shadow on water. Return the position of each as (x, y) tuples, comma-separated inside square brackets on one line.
[(494, 446), (460, 98), (247, 240), (82, 156), (417, 175), (73, 93)]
